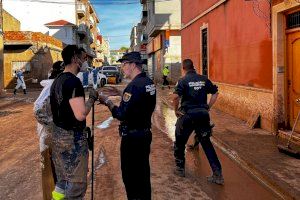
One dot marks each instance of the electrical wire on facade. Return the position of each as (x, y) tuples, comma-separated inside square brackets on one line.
[(95, 2), (116, 35)]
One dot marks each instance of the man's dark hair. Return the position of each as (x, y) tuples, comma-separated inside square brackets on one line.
[(69, 52), (188, 64), (57, 68)]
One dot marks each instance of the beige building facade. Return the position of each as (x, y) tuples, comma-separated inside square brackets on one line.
[(162, 23), (33, 52)]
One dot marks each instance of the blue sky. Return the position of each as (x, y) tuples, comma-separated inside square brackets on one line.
[(117, 17)]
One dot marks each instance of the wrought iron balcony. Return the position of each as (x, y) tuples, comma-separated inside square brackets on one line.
[(81, 9)]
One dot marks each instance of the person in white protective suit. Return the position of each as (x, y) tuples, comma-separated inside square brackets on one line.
[(43, 114), (20, 81)]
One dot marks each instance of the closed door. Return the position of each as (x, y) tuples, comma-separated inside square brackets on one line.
[(293, 66)]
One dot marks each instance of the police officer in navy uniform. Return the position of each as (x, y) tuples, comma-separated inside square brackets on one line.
[(134, 113), (193, 115)]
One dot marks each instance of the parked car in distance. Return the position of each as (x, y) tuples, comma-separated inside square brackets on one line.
[(101, 79), (112, 72)]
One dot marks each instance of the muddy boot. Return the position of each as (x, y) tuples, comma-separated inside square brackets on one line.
[(15, 92), (24, 91), (217, 179)]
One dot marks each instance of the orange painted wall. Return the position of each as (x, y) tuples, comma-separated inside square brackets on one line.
[(240, 44), (192, 8)]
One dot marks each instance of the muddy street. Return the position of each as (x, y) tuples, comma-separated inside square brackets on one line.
[(20, 171)]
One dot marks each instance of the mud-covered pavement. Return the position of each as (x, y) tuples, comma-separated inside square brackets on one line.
[(20, 176)]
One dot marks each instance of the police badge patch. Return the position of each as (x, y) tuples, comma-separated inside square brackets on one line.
[(126, 97)]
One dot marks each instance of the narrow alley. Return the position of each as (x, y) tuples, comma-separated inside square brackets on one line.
[(233, 65)]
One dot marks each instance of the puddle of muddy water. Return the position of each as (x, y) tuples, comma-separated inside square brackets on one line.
[(105, 124), (101, 158), (170, 120), (98, 163), (21, 99), (164, 119), (4, 113)]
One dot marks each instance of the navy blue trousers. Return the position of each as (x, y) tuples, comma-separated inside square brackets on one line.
[(135, 151), (200, 123)]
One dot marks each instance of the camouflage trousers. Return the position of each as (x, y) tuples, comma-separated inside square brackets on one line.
[(70, 157)]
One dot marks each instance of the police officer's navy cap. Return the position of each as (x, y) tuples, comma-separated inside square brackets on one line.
[(133, 56)]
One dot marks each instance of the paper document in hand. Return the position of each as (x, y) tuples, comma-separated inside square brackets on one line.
[(105, 124)]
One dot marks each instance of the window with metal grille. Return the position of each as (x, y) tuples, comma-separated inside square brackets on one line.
[(293, 20), (204, 52)]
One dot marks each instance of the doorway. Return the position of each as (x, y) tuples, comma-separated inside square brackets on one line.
[(293, 74)]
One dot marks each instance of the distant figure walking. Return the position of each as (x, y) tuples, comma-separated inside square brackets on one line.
[(20, 81), (95, 77), (166, 72)]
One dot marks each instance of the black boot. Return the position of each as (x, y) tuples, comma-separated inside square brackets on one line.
[(24, 91), (15, 92)]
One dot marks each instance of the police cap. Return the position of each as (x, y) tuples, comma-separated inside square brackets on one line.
[(134, 57)]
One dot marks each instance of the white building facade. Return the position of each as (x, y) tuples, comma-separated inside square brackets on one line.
[(162, 24), (33, 15)]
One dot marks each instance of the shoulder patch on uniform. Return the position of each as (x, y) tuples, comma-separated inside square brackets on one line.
[(151, 89), (126, 96)]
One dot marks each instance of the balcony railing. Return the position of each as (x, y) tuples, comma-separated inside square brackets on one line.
[(90, 37), (98, 55), (92, 21), (91, 53), (81, 9)]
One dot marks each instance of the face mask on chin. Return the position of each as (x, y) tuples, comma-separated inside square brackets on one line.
[(84, 66)]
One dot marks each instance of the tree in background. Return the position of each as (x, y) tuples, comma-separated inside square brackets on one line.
[(125, 49)]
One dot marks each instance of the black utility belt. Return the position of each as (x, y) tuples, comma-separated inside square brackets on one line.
[(76, 129), (124, 131)]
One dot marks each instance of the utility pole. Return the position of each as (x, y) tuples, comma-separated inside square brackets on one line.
[(1, 51)]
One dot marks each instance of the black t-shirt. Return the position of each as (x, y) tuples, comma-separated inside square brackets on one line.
[(193, 89), (138, 103), (65, 87)]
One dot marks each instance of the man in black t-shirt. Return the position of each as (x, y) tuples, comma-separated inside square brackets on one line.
[(69, 110), (192, 115)]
